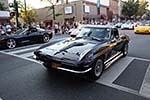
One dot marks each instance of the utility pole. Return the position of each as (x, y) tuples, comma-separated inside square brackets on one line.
[(53, 6), (16, 12), (25, 9)]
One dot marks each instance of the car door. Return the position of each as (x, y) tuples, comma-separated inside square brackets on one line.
[(34, 35), (115, 43), (23, 37)]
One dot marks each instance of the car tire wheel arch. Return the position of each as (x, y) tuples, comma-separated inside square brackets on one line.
[(45, 35), (92, 73), (9, 40)]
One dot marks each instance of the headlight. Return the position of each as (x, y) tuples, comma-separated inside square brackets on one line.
[(49, 32), (84, 54), (90, 55)]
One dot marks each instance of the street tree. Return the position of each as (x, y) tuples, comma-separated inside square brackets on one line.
[(52, 7), (27, 14), (130, 8), (2, 6), (142, 9)]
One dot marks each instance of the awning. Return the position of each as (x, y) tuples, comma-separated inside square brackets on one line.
[(91, 16), (4, 14), (94, 16), (47, 21)]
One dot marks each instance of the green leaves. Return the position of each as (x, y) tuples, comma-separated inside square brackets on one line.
[(130, 8), (2, 6), (134, 8)]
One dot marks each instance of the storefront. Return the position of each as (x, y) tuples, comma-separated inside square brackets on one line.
[(4, 17), (74, 11)]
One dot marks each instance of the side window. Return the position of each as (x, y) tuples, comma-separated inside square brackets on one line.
[(34, 30), (114, 33)]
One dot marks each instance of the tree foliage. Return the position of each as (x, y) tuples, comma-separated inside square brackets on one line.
[(2, 6), (130, 8), (29, 15), (52, 7), (142, 9)]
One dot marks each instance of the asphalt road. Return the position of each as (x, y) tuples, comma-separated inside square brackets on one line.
[(22, 78), (139, 45)]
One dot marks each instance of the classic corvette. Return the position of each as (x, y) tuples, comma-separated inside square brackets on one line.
[(143, 27), (29, 35), (91, 51)]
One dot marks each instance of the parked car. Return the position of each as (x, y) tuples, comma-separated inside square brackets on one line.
[(118, 25), (128, 25), (91, 51), (142, 27), (74, 31), (30, 35)]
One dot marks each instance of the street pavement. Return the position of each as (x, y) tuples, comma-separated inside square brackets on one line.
[(23, 78)]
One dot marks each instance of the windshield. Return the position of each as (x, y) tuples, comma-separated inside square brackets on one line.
[(94, 32), (145, 23), (22, 31), (40, 29)]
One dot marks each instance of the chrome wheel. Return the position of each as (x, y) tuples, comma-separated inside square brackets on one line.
[(46, 38), (11, 43), (98, 68)]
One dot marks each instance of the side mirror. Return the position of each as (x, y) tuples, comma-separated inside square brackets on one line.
[(113, 41), (28, 32)]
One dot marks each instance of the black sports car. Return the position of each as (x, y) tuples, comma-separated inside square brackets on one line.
[(30, 35), (90, 51)]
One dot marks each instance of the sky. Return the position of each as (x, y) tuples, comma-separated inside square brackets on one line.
[(39, 4)]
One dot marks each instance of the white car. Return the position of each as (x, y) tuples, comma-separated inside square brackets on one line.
[(74, 31), (127, 25)]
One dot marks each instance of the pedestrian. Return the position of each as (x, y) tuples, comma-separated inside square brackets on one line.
[(56, 28), (8, 28), (1, 30)]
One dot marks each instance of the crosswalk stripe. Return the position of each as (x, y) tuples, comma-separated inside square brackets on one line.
[(23, 50), (27, 54), (111, 74), (22, 47)]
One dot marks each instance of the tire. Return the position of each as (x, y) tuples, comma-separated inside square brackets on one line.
[(48, 67), (125, 50), (46, 38), (11, 43), (97, 69)]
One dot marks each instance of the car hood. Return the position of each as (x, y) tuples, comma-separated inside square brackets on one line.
[(70, 48)]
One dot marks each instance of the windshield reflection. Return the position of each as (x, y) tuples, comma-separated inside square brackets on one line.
[(94, 32)]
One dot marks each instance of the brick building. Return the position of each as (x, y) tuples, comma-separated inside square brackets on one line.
[(77, 10)]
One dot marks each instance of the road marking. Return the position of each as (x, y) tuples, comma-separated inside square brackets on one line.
[(32, 60), (1, 99), (26, 55), (115, 70), (22, 47), (145, 88), (23, 50)]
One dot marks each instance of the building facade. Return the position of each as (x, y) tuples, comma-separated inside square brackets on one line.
[(4, 15), (74, 11), (113, 6)]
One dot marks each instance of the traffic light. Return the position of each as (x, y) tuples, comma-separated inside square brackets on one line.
[(12, 14)]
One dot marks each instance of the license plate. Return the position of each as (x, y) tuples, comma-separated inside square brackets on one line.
[(55, 65)]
